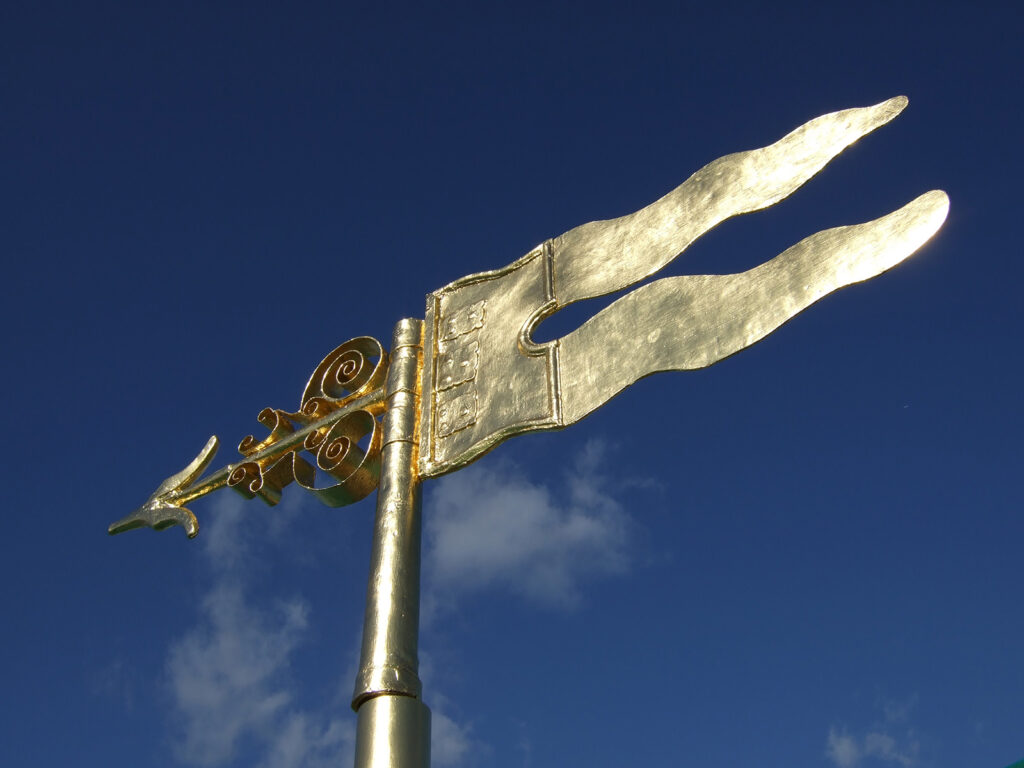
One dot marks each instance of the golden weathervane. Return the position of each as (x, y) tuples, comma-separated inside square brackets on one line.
[(470, 375)]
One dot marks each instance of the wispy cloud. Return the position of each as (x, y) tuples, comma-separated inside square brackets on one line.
[(450, 742), (116, 681), (898, 710), (489, 527), (890, 741), (492, 527), (842, 748), (228, 675), (306, 741)]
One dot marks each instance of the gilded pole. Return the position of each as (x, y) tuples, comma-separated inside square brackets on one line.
[(393, 727)]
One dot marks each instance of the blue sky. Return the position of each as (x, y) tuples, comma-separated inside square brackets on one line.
[(807, 556)]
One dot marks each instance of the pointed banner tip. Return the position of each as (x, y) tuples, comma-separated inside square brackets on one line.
[(897, 103), (932, 208), (888, 110), (941, 197)]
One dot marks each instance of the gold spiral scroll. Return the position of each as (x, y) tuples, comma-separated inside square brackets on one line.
[(338, 454), (346, 447), (345, 373)]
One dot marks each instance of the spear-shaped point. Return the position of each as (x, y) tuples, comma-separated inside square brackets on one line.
[(162, 509)]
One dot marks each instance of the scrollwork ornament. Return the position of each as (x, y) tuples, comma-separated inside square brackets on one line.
[(338, 453), (345, 449), (348, 371)]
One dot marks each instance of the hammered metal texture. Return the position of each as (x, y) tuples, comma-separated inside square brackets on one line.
[(485, 380)]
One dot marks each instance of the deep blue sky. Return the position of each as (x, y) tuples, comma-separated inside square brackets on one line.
[(807, 556)]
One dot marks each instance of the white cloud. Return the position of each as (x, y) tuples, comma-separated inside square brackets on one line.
[(224, 540), (489, 526), (228, 675), (842, 748), (885, 747), (449, 741), (890, 742), (898, 711), (305, 742), (225, 674)]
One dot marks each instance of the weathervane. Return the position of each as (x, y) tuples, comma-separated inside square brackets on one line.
[(470, 376)]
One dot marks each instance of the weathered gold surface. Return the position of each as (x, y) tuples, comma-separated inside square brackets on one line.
[(389, 663), (471, 375), (484, 379), (342, 376), (605, 256), (338, 410), (690, 322), (166, 507)]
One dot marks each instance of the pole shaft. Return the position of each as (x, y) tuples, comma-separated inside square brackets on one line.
[(393, 724)]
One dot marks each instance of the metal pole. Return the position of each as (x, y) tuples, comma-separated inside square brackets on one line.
[(393, 728)]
